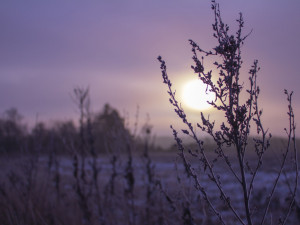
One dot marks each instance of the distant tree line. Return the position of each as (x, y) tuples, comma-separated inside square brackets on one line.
[(103, 130)]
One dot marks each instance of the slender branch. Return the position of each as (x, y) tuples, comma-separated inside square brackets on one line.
[(292, 136), (290, 133)]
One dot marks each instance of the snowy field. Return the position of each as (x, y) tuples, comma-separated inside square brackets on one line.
[(169, 197)]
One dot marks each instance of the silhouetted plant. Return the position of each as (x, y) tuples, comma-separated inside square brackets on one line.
[(235, 130), (151, 180), (81, 97)]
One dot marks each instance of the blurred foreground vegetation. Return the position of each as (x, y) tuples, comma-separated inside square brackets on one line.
[(100, 173)]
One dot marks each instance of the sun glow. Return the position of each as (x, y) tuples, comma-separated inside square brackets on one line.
[(195, 96)]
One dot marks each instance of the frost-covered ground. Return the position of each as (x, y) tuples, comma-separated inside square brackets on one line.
[(169, 171)]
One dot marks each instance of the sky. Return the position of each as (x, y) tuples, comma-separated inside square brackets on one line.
[(47, 48)]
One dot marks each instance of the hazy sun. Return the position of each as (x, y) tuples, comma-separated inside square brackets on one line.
[(195, 95)]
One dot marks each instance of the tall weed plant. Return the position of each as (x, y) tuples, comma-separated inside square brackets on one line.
[(233, 134)]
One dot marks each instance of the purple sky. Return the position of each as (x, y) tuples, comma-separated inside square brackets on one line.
[(49, 47)]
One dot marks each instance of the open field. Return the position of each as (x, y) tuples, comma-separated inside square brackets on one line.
[(123, 189)]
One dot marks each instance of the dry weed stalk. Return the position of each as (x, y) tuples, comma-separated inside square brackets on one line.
[(235, 131)]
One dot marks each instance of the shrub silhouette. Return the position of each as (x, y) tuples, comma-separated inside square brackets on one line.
[(233, 133), (12, 132)]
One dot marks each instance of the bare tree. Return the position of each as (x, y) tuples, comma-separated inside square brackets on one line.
[(233, 133)]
